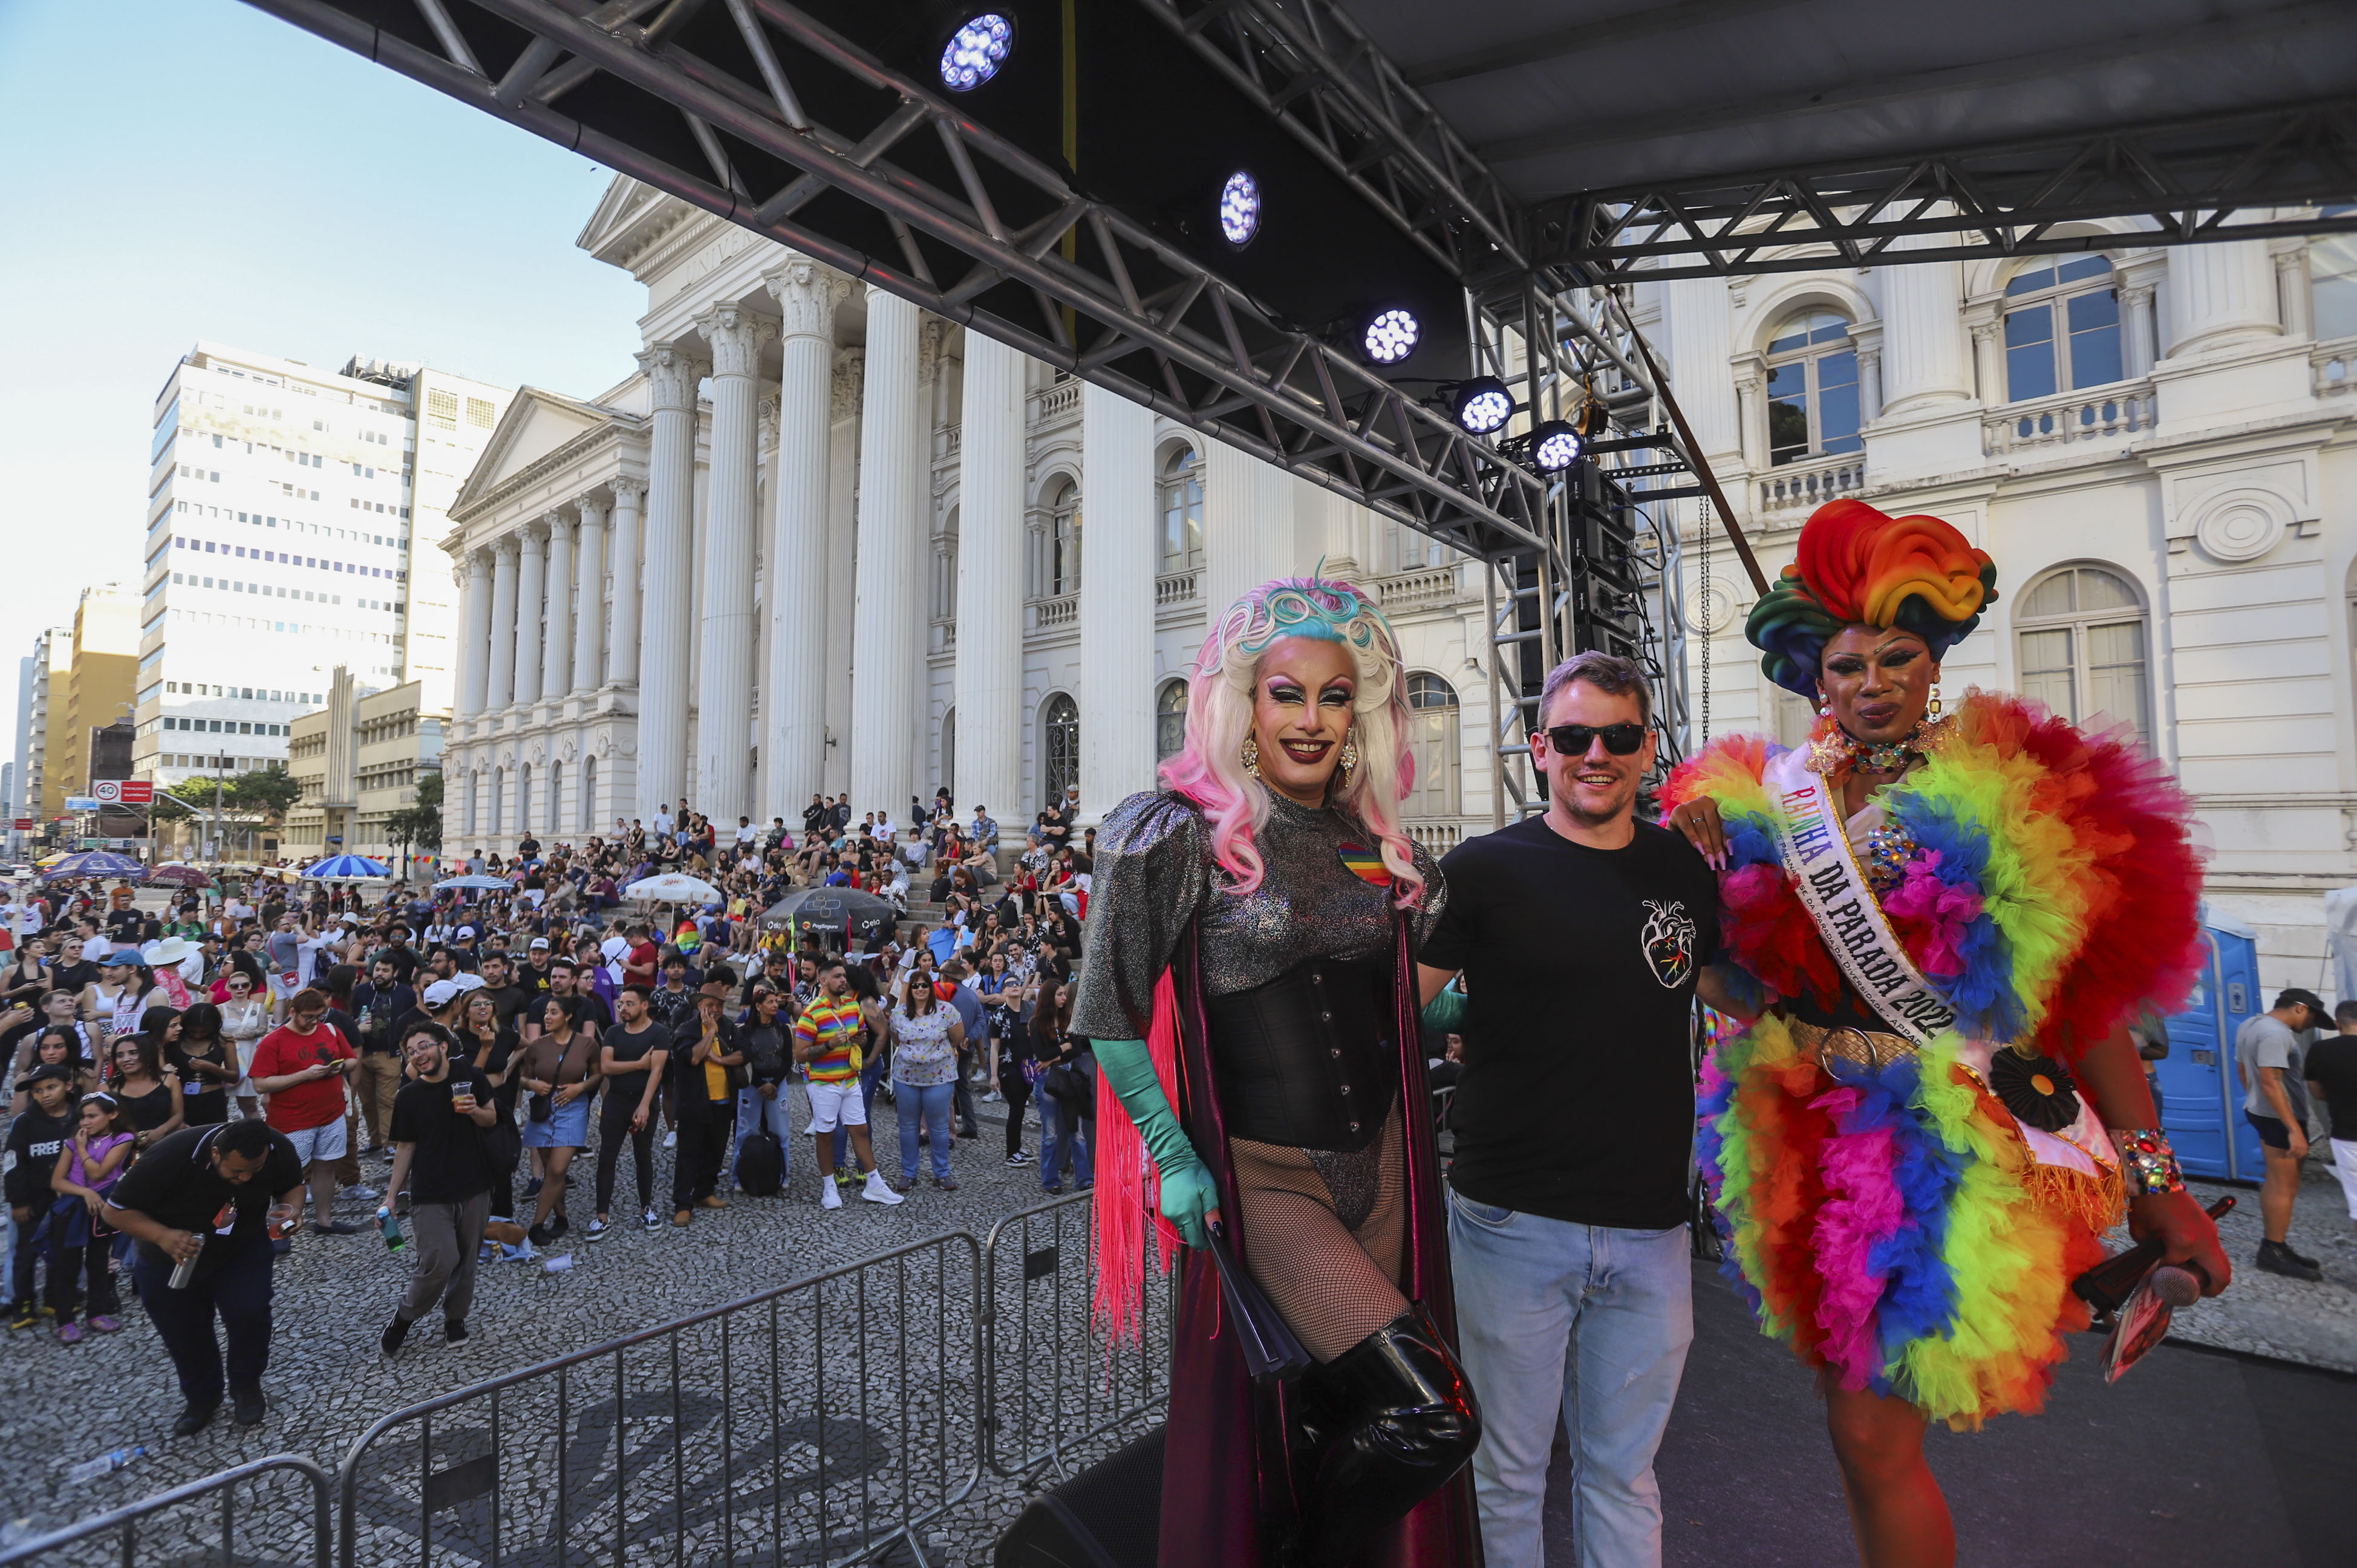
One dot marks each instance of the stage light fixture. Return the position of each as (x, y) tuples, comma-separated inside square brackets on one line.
[(975, 51), (1554, 446), (1389, 335), (1240, 209), (1483, 405)]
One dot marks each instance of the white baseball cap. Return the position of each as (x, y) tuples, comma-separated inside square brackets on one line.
[(441, 993)]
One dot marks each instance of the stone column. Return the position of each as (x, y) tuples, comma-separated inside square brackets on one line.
[(794, 691), (1868, 335), (2137, 348), (556, 645), (1988, 360), (1248, 534), (2220, 295), (532, 586), (888, 615), (1924, 363), (476, 617), (1116, 599), (669, 550), (724, 697), (500, 687), (630, 499), (1751, 410), (589, 599), (989, 760), (2291, 287)]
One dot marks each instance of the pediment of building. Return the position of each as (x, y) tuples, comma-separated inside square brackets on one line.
[(536, 423), (629, 218)]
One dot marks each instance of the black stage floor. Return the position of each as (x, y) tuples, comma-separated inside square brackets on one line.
[(2196, 1458)]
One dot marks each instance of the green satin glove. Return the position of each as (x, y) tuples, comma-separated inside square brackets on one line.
[(1446, 1011), (1188, 1194)]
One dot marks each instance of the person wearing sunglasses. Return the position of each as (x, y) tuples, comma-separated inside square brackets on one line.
[(1944, 924), (1579, 935), (1257, 919)]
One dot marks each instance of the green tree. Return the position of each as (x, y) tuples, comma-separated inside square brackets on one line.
[(266, 790), (419, 826)]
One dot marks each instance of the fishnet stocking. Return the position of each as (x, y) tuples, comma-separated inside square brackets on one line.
[(1335, 1282)]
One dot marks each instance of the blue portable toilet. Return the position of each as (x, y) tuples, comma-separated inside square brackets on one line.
[(2201, 1082)]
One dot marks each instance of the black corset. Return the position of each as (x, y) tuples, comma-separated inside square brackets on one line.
[(1311, 1058)]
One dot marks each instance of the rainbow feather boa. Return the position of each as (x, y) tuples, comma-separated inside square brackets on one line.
[(1888, 1224)]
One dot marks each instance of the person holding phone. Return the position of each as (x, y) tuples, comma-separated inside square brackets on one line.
[(301, 1066), (441, 1127)]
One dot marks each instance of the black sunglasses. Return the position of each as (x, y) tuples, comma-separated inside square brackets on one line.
[(1572, 740)]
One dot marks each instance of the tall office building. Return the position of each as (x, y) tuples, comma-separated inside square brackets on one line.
[(44, 721), (282, 504), (104, 653)]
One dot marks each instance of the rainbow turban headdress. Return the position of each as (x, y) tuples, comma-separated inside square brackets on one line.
[(1858, 566)]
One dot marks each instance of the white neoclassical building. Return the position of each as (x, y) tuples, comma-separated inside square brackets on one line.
[(819, 541), (2159, 449)]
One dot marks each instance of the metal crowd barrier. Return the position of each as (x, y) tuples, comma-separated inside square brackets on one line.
[(1059, 1394), (823, 1422), (819, 1422), (182, 1537)]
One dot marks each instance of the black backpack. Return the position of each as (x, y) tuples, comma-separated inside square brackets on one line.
[(761, 1164)]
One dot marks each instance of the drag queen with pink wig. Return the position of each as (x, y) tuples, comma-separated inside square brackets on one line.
[(1249, 984)]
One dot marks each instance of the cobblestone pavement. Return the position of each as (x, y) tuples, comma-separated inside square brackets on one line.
[(751, 1461), (2267, 1313)]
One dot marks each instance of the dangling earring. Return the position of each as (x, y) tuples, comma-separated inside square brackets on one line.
[(1935, 702), (1824, 706), (1251, 754), (1348, 761)]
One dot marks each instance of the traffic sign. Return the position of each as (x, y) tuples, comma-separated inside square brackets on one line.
[(81, 802), (122, 791)]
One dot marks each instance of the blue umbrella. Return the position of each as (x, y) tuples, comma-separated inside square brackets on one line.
[(94, 863), (481, 883), (343, 867)]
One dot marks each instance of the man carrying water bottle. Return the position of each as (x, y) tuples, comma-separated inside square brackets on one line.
[(439, 1121)]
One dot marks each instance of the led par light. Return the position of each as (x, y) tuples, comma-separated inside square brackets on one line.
[(1554, 446), (975, 51), (1240, 209), (1482, 405), (1389, 335)]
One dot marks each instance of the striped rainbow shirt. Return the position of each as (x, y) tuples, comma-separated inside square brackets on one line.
[(831, 1029)]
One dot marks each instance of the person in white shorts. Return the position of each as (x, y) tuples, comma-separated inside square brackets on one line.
[(826, 1044), (2332, 1071)]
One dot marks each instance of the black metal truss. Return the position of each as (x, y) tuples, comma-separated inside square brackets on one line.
[(1126, 310), (2195, 179), (1309, 65)]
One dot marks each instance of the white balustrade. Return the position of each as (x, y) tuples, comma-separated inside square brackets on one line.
[(2335, 365), (2121, 408), (1813, 486), (1176, 589)]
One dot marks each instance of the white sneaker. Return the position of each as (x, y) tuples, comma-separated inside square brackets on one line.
[(670, 1139), (878, 1190), (829, 1195)]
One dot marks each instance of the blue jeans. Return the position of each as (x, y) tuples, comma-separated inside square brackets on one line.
[(753, 1113), (931, 1103), (1062, 1142), (870, 1074), (1588, 1319)]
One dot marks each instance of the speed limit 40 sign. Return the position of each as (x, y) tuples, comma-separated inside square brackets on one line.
[(122, 791)]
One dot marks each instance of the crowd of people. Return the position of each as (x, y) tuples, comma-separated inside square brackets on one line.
[(476, 1040)]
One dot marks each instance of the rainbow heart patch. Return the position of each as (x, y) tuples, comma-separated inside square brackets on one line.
[(1366, 864)]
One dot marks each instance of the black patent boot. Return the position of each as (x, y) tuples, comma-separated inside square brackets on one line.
[(1405, 1421)]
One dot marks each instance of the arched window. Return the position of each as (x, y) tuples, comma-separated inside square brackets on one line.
[(1812, 389), (1059, 747), (556, 798), (474, 784), (1064, 541), (949, 749), (524, 801), (1182, 511), (1432, 738), (2332, 280), (588, 796), (2080, 632), (945, 553), (1169, 720), (2062, 328), (499, 800)]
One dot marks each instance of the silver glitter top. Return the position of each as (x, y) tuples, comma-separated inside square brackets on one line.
[(1154, 873)]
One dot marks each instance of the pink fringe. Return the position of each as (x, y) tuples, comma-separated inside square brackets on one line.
[(1122, 1178), (1861, 1208)]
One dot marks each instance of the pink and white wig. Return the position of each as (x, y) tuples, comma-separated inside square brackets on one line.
[(1210, 771)]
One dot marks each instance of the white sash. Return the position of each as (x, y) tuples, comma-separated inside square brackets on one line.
[(1810, 836)]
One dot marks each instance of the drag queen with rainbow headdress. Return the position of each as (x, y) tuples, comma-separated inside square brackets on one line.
[(1941, 923), (1249, 987)]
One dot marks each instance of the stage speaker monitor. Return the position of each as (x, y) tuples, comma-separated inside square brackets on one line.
[(1108, 1516)]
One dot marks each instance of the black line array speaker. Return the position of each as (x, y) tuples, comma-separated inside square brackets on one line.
[(1108, 1516)]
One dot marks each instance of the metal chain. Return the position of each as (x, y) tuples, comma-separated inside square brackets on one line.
[(1702, 510)]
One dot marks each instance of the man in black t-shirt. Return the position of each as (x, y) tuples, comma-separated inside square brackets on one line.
[(2332, 1071), (633, 1058), (207, 1193), (1580, 935), (440, 1121)]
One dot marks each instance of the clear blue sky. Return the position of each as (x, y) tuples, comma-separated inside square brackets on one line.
[(192, 170)]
